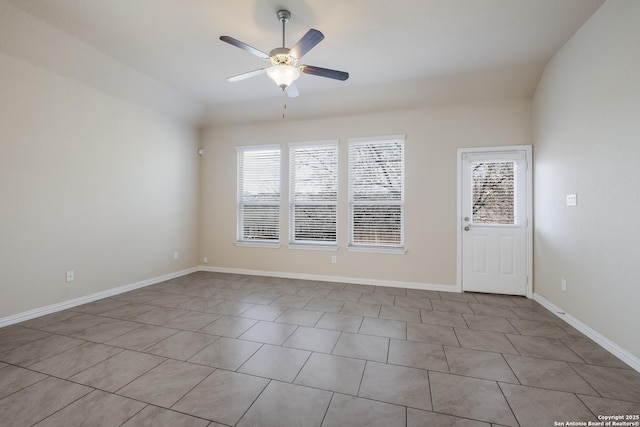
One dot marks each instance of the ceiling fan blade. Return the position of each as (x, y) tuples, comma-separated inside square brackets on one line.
[(306, 43), (246, 75), (292, 90), (325, 72), (237, 43)]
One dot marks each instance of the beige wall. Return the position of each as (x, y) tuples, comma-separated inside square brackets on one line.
[(432, 138), (89, 183), (587, 141)]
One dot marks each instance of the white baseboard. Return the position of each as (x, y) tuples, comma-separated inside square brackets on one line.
[(338, 279), (41, 311), (603, 341)]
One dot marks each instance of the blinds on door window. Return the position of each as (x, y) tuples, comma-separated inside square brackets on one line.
[(259, 194), (493, 192)]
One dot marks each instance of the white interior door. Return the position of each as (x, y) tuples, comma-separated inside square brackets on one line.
[(494, 224)]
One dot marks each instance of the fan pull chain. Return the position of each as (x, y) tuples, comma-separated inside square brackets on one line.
[(284, 110)]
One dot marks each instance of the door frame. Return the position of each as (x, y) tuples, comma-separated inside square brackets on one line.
[(529, 209)]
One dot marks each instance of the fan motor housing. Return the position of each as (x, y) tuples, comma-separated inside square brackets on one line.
[(281, 56)]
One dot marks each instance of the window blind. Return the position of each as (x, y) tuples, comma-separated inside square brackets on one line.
[(313, 193), (259, 194), (494, 197), (376, 193)]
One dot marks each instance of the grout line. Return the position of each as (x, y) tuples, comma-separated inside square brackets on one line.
[(507, 401), (326, 411), (366, 363)]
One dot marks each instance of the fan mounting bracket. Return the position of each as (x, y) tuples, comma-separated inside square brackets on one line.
[(283, 15)]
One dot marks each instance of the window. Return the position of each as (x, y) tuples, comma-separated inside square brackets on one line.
[(494, 192), (314, 193), (376, 192), (259, 194)]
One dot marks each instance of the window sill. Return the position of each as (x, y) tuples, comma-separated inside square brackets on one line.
[(313, 247), (379, 250), (275, 245)]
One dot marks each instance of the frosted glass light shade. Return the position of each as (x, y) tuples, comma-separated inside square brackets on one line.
[(283, 75)]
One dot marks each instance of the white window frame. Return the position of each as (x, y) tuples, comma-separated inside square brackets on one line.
[(310, 244), (384, 248), (243, 240)]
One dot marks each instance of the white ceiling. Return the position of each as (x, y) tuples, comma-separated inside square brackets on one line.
[(399, 53)]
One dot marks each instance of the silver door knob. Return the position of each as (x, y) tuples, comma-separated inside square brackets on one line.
[(467, 228)]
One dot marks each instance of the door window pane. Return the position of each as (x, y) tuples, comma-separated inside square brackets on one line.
[(493, 195)]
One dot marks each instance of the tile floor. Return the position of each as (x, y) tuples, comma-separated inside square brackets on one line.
[(213, 349)]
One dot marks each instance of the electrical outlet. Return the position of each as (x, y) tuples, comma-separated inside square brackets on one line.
[(563, 285), (572, 200), (71, 275), (176, 255), (334, 259), (205, 260)]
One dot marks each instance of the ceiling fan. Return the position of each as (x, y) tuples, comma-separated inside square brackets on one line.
[(284, 69)]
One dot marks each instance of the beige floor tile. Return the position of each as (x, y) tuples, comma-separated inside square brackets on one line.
[(550, 374), (384, 328), (38, 350), (165, 384), (291, 301), (106, 331), (182, 345), (443, 318), (287, 405), (593, 354), (418, 355), (153, 416), (479, 364), (38, 401), (431, 334), (362, 347), (117, 371), (13, 379), (485, 340), (223, 397), (451, 306), (192, 321), (360, 309), (601, 406), (489, 323), (325, 305), (406, 314), (95, 409), (275, 362), (545, 348), (300, 317), (472, 398), (226, 353), (143, 337), (313, 339), (228, 326), (536, 407), (355, 412), (75, 360), (334, 373), (269, 332), (612, 383), (492, 310), (396, 384), (263, 312), (413, 302), (539, 329), (418, 418), (340, 322)]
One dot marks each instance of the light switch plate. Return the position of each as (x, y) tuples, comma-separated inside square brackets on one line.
[(572, 199)]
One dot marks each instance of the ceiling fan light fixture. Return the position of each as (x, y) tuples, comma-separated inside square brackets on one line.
[(283, 75)]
